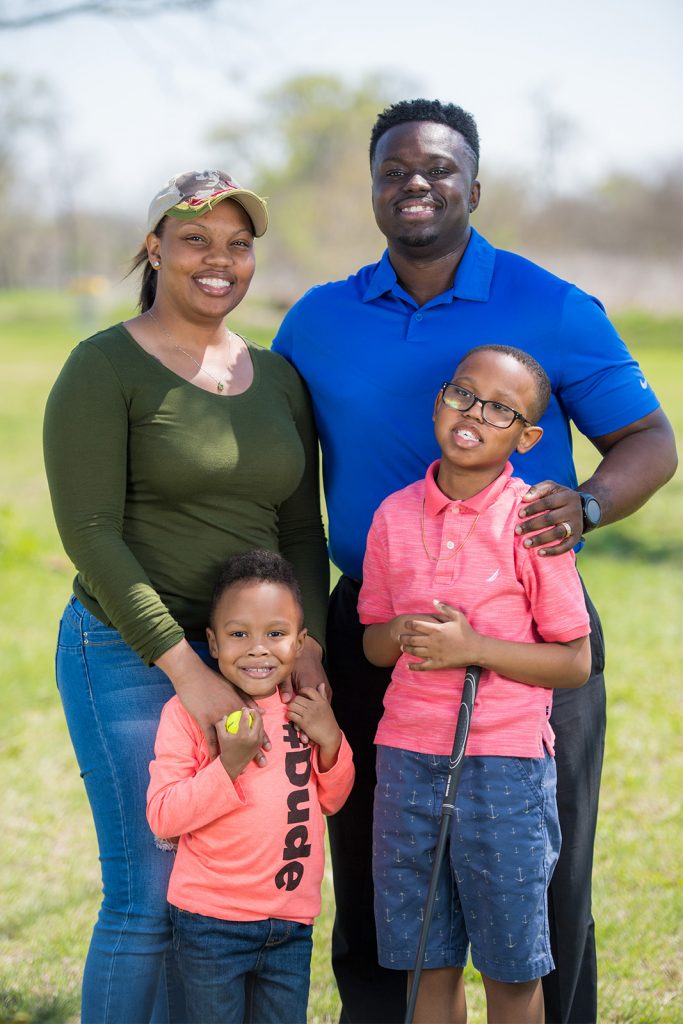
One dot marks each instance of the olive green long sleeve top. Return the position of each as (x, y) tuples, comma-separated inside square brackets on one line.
[(155, 482)]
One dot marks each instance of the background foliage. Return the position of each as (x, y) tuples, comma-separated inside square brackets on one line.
[(305, 146)]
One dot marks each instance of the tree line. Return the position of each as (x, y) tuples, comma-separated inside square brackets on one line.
[(307, 152)]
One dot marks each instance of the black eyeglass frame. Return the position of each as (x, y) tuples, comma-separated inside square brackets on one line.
[(483, 402)]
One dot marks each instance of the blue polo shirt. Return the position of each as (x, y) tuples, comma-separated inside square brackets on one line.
[(374, 361)]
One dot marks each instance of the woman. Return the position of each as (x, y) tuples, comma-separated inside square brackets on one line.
[(171, 443)]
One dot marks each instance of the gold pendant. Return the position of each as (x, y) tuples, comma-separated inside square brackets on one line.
[(220, 385)]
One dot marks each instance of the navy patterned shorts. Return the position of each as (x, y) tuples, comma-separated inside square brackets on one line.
[(493, 885)]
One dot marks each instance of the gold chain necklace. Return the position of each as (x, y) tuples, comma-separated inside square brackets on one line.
[(218, 381), (459, 547)]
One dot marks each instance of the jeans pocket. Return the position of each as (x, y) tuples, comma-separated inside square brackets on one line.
[(95, 633), (62, 636), (69, 630)]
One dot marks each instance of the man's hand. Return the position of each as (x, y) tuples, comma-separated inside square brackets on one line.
[(556, 512), (636, 461), (239, 748), (447, 642)]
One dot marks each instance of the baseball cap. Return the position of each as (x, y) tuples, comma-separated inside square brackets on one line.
[(189, 195)]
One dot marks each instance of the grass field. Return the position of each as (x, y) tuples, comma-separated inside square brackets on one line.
[(49, 878)]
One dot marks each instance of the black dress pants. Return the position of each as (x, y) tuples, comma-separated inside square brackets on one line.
[(371, 994), (579, 720)]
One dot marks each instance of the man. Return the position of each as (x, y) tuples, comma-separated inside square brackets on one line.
[(373, 349)]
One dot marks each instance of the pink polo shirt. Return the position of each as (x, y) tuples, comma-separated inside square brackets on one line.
[(413, 556)]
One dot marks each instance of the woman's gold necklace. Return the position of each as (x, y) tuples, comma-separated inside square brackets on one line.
[(459, 547), (218, 381)]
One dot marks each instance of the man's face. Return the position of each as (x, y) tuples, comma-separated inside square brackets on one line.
[(423, 188)]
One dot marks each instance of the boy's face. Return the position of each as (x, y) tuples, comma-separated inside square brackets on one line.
[(466, 440), (256, 635)]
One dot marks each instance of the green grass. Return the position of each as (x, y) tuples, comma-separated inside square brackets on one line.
[(633, 571), (49, 878)]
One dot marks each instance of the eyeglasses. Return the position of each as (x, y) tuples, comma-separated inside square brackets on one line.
[(493, 413)]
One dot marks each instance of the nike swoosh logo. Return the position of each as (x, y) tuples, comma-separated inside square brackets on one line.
[(493, 576), (643, 384)]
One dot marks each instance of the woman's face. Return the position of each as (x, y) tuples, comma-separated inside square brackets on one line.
[(206, 264)]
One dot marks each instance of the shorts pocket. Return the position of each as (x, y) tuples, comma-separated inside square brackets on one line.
[(532, 771)]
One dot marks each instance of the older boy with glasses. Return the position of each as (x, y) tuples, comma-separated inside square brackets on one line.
[(448, 583)]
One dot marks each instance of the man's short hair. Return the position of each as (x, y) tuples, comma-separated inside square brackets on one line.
[(427, 110), (258, 566), (541, 379)]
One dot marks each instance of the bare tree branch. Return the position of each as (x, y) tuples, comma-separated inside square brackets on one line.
[(111, 8)]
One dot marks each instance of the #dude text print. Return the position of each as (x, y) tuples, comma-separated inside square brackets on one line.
[(296, 846)]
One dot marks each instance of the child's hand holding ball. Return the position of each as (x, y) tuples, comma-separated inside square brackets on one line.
[(240, 736)]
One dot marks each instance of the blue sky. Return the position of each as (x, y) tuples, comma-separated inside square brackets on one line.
[(139, 97)]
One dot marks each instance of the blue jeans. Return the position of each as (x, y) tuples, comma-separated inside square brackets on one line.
[(239, 972), (112, 702)]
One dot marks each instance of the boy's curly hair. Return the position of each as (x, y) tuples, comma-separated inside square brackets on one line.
[(259, 566)]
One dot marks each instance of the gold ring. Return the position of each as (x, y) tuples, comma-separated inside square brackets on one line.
[(567, 527)]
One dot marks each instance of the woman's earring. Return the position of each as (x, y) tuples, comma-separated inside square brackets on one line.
[(156, 264)]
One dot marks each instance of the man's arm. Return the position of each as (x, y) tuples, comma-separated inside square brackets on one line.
[(636, 461)]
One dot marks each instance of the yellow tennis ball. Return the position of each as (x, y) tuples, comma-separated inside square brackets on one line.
[(232, 722)]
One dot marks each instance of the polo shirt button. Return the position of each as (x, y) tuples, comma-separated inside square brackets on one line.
[(450, 545), (418, 316)]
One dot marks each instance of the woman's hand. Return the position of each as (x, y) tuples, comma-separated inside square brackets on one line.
[(308, 673), (207, 696), (311, 713), (447, 642), (243, 746)]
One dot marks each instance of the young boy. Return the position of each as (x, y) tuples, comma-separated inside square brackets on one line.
[(447, 583), (245, 886)]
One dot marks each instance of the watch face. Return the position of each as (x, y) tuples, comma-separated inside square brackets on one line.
[(592, 511)]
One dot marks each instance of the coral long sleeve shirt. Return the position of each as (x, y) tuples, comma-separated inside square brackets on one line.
[(253, 848)]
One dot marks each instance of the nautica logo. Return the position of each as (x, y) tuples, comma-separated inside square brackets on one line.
[(493, 576)]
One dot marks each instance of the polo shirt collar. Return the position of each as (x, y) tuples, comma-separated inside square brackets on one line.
[(472, 278), (436, 501)]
